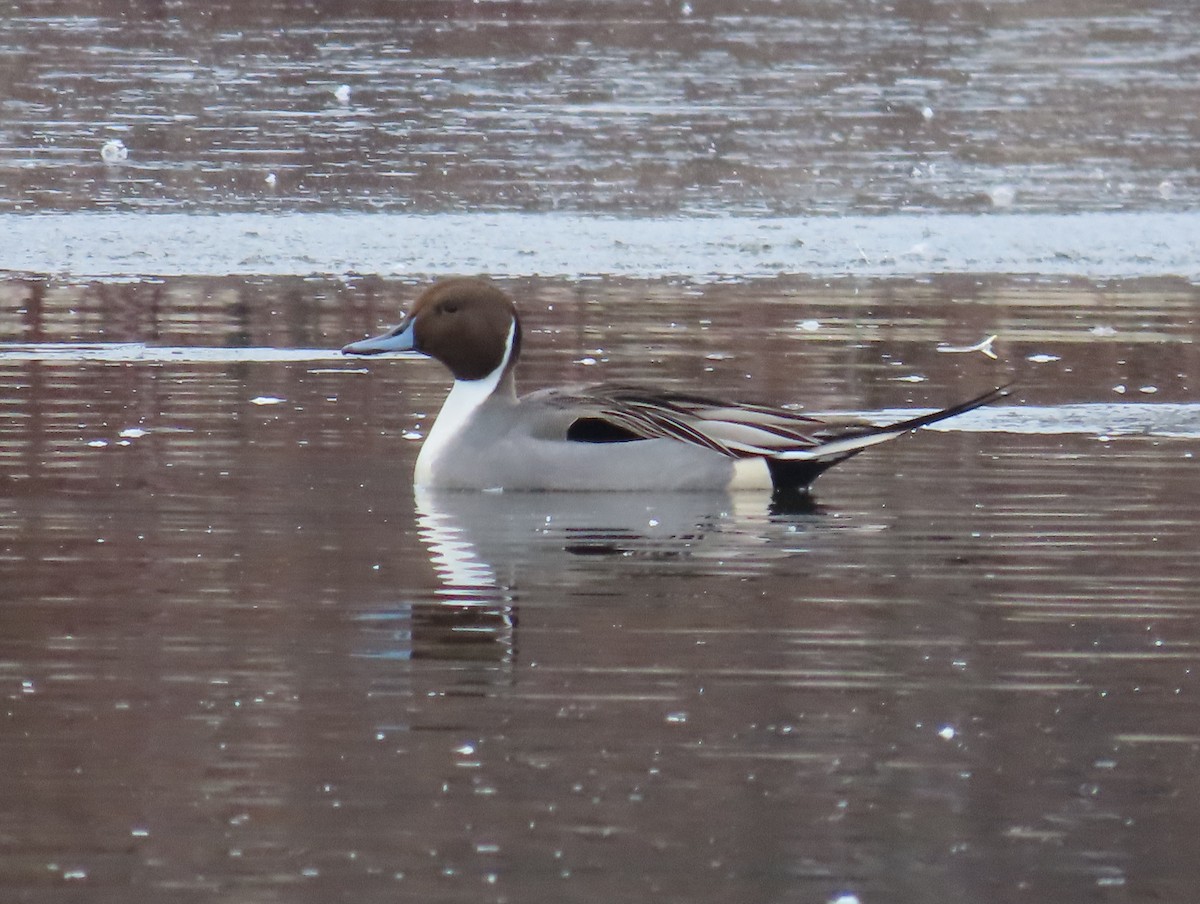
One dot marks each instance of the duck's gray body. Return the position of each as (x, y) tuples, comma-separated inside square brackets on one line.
[(523, 444), (602, 437)]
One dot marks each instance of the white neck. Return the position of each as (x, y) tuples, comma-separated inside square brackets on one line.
[(464, 400)]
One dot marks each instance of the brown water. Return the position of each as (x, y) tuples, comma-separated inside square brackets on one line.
[(626, 106), (240, 660)]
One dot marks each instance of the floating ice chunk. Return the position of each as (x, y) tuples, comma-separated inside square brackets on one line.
[(267, 400), (1102, 331), (927, 113), (114, 152), (984, 346), (1166, 189), (132, 433), (1002, 195), (809, 326), (847, 897), (910, 378), (271, 179), (1042, 358), (98, 443), (1148, 390), (947, 732), (1119, 389), (342, 93)]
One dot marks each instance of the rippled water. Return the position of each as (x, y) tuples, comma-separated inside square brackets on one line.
[(625, 106), (240, 659)]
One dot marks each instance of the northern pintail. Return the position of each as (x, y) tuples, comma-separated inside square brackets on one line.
[(602, 436)]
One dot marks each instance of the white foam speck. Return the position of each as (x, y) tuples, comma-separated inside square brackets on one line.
[(114, 152), (1002, 195)]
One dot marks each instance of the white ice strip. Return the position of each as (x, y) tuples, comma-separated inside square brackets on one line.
[(131, 245), (140, 353), (1097, 418)]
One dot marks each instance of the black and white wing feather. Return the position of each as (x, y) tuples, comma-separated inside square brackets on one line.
[(616, 412)]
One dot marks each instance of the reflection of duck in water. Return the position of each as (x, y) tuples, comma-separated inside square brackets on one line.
[(602, 437), (482, 546), (489, 551), (472, 617), (478, 542)]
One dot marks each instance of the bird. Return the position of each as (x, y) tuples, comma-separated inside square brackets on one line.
[(603, 436)]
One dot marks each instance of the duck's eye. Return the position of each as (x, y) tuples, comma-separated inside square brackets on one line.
[(449, 307)]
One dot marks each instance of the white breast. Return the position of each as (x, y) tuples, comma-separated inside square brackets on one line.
[(464, 400)]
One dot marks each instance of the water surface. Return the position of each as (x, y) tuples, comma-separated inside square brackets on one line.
[(242, 659), (623, 106)]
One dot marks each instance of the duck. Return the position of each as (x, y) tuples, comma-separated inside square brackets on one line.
[(603, 436)]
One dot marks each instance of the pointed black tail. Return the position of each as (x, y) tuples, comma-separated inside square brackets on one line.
[(792, 477)]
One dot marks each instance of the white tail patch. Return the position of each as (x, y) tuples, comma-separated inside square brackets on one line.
[(750, 474)]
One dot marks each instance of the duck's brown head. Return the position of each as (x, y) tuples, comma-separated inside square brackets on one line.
[(468, 324)]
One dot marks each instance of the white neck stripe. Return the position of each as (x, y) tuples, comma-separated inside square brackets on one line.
[(508, 346)]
